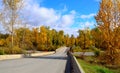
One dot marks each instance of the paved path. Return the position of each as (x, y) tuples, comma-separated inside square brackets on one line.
[(55, 63), (86, 53)]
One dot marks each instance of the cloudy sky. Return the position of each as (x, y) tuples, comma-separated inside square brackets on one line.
[(67, 15)]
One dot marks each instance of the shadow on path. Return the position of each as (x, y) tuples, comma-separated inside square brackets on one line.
[(50, 57), (69, 67)]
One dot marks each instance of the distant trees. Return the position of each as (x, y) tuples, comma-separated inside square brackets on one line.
[(85, 39), (72, 41), (54, 37), (61, 37), (35, 37), (67, 40), (24, 38), (42, 38), (108, 20), (97, 37), (3, 38)]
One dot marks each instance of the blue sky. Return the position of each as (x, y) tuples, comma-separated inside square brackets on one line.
[(81, 6), (67, 15)]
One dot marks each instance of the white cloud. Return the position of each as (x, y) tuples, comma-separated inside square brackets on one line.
[(68, 19), (56, 19), (68, 30), (87, 16), (86, 24), (74, 30), (38, 15)]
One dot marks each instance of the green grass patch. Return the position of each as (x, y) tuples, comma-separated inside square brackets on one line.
[(94, 68)]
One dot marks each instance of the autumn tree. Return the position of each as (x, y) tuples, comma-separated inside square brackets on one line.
[(24, 38), (2, 42), (54, 36), (108, 20), (9, 15), (66, 40), (61, 37), (3, 39), (97, 38), (72, 40), (49, 43), (35, 32), (85, 39), (42, 39), (55, 39)]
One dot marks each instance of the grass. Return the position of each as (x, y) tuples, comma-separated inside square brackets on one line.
[(95, 68)]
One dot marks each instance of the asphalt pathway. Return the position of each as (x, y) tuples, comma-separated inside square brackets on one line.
[(54, 63)]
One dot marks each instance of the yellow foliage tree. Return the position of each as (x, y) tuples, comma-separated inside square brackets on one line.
[(108, 19), (9, 15), (2, 42), (42, 38)]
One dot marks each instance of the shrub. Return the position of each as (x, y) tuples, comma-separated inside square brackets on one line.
[(96, 51), (2, 42), (2, 52), (7, 50), (14, 50), (92, 47), (77, 49), (41, 48), (51, 48)]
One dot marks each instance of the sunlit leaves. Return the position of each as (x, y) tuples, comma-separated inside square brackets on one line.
[(108, 19)]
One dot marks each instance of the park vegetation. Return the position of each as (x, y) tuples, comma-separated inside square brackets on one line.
[(104, 37)]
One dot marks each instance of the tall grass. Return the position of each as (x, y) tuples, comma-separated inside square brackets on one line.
[(93, 68)]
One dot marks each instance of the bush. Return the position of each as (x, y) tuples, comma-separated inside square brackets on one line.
[(7, 50), (96, 51), (51, 48), (77, 49), (92, 47), (2, 52), (41, 48), (14, 50)]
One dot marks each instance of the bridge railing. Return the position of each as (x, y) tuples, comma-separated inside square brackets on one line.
[(76, 68)]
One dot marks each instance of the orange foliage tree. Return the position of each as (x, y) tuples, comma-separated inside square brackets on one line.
[(108, 19)]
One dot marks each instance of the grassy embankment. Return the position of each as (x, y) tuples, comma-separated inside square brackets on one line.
[(95, 68)]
